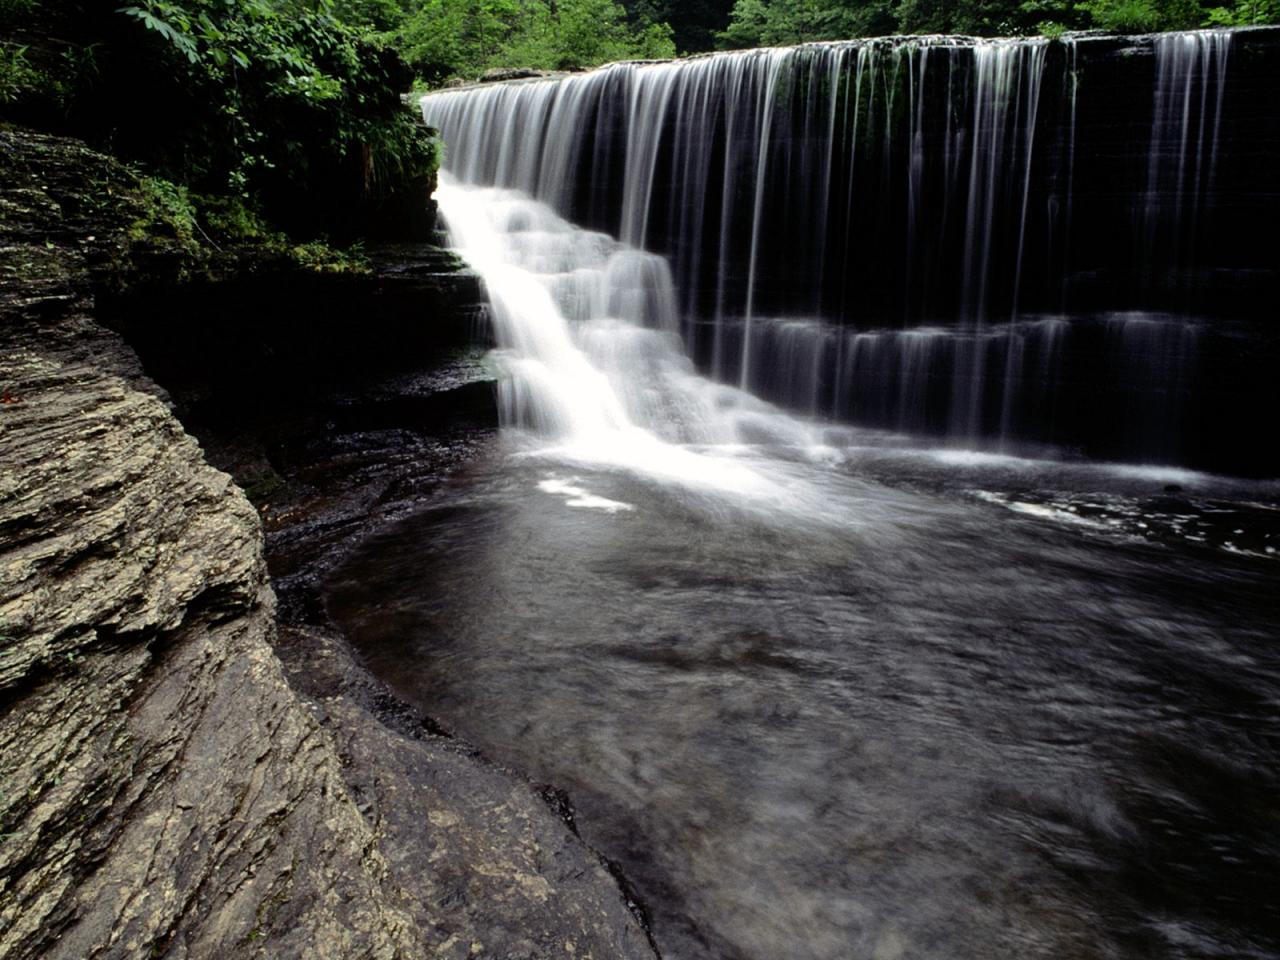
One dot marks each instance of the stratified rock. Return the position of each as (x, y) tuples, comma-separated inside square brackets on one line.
[(165, 793), (164, 790)]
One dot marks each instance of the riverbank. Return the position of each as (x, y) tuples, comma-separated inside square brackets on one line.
[(185, 772)]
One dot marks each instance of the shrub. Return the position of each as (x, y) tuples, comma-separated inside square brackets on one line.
[(17, 77), (274, 101)]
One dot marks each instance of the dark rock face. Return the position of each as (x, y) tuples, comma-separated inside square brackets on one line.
[(281, 335), (165, 792), (169, 789)]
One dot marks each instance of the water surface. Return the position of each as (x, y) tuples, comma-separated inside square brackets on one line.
[(968, 706)]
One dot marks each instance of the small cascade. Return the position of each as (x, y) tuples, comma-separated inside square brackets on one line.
[(536, 269), (893, 379), (1153, 361), (1191, 79), (1006, 98), (1042, 387), (590, 357)]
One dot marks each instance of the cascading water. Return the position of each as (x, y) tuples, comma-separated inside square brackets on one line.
[(1191, 80), (589, 349), (968, 189)]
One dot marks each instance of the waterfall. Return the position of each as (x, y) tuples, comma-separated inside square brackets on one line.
[(728, 164), (1005, 98), (932, 220), (588, 350), (1185, 128)]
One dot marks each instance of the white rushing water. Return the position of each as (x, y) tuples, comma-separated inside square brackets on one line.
[(592, 366), (589, 353), (1191, 79)]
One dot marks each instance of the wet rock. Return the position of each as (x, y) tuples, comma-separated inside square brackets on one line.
[(501, 74), (165, 793)]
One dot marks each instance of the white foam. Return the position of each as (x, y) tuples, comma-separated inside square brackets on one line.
[(580, 497), (590, 359)]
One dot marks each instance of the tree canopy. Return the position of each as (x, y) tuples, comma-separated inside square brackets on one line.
[(781, 22), (277, 104), (444, 39)]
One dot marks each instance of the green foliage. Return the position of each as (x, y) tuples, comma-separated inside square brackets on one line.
[(783, 22), (320, 257), (17, 77), (172, 23), (1143, 16), (41, 80), (167, 208), (1123, 16), (16, 12), (982, 18), (377, 15), (774, 22), (583, 33), (281, 83), (1245, 13), (213, 230), (443, 39), (694, 23), (749, 23), (277, 102), (229, 220)]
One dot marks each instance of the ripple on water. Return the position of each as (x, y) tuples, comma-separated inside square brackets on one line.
[(943, 730)]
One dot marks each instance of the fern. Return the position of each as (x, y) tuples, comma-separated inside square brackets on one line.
[(185, 44)]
